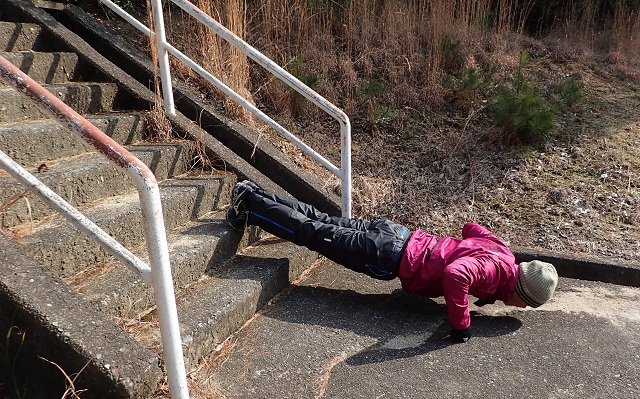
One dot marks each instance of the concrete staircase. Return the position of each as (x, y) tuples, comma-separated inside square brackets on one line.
[(62, 297)]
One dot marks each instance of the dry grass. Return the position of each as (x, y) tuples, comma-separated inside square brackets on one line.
[(225, 62), (144, 327), (84, 278), (70, 392), (26, 224), (343, 49), (5, 208)]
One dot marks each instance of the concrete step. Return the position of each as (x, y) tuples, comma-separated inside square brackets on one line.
[(15, 36), (33, 143), (66, 330), (66, 251), (216, 306), (195, 249), (48, 68), (84, 98), (86, 178)]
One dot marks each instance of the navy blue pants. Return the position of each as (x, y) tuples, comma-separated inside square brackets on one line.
[(370, 247)]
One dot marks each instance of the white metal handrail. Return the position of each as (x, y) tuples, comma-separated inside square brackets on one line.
[(74, 216), (159, 274), (164, 48)]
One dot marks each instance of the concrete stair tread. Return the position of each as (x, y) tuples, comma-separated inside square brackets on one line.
[(196, 248), (37, 142), (82, 97), (68, 251), (57, 67), (16, 36), (219, 303), (34, 56), (89, 177), (35, 52), (216, 306)]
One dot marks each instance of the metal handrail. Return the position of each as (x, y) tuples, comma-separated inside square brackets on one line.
[(164, 48), (159, 274)]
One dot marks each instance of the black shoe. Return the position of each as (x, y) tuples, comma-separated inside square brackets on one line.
[(237, 212)]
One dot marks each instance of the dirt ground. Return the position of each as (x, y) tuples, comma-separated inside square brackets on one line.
[(577, 194)]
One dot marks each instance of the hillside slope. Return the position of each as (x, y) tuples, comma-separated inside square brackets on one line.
[(577, 193)]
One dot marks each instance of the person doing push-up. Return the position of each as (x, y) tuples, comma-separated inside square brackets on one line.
[(477, 264)]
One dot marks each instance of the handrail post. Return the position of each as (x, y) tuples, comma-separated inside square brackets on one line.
[(163, 291), (163, 56), (345, 140)]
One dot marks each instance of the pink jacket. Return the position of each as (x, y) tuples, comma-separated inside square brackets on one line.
[(479, 264)]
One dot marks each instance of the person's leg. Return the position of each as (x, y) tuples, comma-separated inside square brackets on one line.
[(312, 213), (374, 251)]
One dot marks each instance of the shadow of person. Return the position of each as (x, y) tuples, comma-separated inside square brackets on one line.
[(403, 325), (405, 346)]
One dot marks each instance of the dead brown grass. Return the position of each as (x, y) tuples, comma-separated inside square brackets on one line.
[(5, 208), (343, 49), (71, 391), (222, 60), (83, 279)]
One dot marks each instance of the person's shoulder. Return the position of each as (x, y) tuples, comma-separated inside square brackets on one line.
[(473, 229)]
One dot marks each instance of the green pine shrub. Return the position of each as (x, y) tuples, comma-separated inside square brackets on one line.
[(568, 93), (519, 110)]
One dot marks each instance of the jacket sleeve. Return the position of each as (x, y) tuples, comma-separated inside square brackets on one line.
[(471, 229), (459, 277)]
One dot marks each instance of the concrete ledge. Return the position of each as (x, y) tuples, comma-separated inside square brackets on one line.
[(61, 327), (583, 267)]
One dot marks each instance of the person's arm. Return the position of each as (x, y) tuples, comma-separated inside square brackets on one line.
[(459, 277)]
